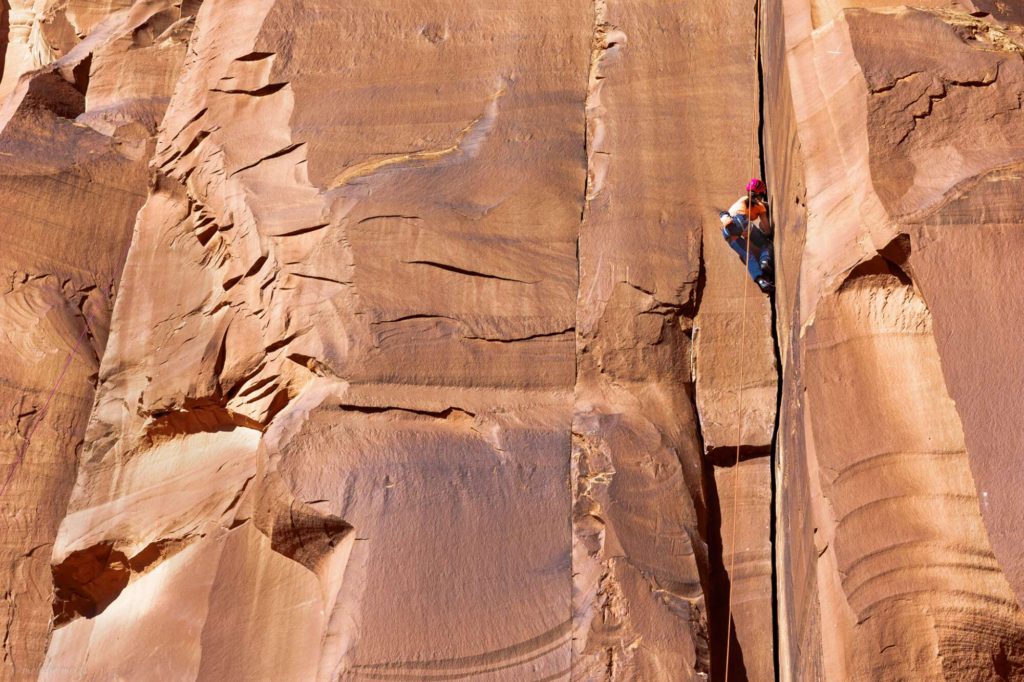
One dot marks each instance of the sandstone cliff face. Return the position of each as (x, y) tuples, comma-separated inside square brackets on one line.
[(894, 147), (75, 141), (659, 352), (399, 341), (393, 386)]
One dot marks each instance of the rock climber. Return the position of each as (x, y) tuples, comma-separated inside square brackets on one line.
[(748, 219)]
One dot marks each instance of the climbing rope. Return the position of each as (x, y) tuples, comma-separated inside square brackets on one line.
[(743, 340)]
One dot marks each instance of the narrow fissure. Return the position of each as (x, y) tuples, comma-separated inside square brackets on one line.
[(720, 583), (709, 515), (774, 329), (596, 50), (772, 515), (714, 578)]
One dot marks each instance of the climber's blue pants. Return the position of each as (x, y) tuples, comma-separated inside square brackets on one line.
[(761, 250)]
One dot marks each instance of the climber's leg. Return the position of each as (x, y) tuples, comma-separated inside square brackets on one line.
[(754, 268), (737, 244), (733, 232), (766, 259)]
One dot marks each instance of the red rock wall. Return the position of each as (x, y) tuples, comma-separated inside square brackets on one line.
[(659, 349), (410, 347), (74, 167), (424, 352), (891, 150)]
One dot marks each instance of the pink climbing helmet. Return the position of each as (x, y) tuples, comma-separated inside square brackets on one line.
[(756, 186)]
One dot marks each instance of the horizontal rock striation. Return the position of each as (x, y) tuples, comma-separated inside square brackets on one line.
[(392, 387), (398, 341)]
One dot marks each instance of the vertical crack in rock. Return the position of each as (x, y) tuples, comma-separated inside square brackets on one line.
[(737, 383), (645, 508), (587, 467), (776, 351), (711, 521), (592, 119), (772, 514)]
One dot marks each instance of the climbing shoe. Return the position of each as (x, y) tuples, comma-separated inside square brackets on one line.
[(766, 285)]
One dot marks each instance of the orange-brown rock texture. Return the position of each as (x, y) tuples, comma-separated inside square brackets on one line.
[(398, 341), (895, 159)]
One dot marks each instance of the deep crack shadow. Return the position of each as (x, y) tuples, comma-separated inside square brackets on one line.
[(776, 349)]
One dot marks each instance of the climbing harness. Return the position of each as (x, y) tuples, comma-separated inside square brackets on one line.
[(743, 340)]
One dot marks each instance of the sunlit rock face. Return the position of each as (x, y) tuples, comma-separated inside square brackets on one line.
[(893, 152), (399, 340), (74, 158), (380, 338)]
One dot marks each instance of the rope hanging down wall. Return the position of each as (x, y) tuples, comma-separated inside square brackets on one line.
[(743, 342)]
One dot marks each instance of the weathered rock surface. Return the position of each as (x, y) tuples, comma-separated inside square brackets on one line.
[(660, 354), (74, 170), (337, 397), (334, 412), (399, 341), (894, 149), (393, 386)]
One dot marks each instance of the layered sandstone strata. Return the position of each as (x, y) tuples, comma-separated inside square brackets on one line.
[(73, 158), (399, 341), (894, 149), (394, 387)]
